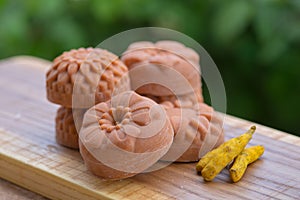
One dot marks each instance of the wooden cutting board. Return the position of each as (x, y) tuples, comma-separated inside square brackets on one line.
[(30, 157)]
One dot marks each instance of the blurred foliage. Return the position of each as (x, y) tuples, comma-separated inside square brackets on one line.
[(255, 44)]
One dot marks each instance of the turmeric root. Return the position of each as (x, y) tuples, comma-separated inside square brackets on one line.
[(205, 159), (241, 162), (213, 162)]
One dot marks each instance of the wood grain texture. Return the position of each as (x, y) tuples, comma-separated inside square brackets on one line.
[(10, 191), (30, 157)]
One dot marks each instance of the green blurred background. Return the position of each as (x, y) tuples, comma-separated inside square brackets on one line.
[(255, 43)]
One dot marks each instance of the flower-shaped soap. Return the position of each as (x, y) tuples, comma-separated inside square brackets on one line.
[(197, 131), (181, 101), (124, 136), (84, 77), (66, 130)]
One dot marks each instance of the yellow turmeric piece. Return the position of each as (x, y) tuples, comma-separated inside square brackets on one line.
[(213, 162), (205, 159), (241, 162)]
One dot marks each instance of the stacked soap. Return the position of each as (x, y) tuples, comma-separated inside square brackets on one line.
[(91, 75), (174, 75), (127, 114)]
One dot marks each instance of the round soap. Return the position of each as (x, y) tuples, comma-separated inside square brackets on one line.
[(124, 136), (66, 132), (163, 68), (181, 101), (89, 76), (197, 131)]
